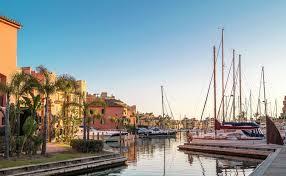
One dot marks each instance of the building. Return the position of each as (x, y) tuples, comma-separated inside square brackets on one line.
[(148, 119), (283, 114), (190, 123), (8, 53), (115, 109)]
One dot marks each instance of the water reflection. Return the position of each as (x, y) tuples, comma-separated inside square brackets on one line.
[(148, 157)]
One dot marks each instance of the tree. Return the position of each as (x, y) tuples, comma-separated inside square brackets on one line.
[(47, 87), (29, 128), (67, 85), (33, 104), (85, 107), (15, 87)]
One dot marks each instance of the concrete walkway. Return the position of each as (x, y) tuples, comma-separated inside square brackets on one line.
[(57, 148)]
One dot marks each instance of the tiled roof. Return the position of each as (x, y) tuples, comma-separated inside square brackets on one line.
[(114, 103), (13, 22)]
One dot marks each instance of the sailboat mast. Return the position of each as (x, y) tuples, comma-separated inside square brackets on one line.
[(276, 109), (240, 98), (222, 74), (162, 94), (246, 108), (214, 60), (233, 89), (250, 104), (265, 101)]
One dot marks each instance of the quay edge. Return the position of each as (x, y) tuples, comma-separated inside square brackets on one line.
[(68, 167)]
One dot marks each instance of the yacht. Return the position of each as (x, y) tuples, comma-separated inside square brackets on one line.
[(106, 135), (232, 131), (155, 132)]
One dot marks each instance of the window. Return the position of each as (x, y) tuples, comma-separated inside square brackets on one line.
[(102, 111)]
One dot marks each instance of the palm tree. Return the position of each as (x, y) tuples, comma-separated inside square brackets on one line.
[(121, 122), (20, 88), (14, 87), (68, 86), (33, 104), (85, 107), (47, 87)]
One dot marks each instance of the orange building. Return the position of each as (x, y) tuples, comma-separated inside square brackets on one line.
[(114, 109), (8, 52)]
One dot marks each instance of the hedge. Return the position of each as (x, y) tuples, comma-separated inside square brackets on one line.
[(90, 146)]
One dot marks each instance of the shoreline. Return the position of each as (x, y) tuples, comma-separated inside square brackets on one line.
[(68, 167)]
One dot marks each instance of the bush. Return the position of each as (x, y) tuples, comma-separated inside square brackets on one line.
[(90, 146)]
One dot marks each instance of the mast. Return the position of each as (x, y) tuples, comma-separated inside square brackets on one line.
[(265, 101), (276, 108), (222, 74), (214, 58), (246, 108), (240, 99), (162, 94), (233, 88), (163, 114), (250, 104)]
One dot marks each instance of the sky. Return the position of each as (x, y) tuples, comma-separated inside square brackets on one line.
[(130, 48)]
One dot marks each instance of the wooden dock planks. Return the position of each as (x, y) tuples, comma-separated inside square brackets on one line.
[(249, 153), (275, 164)]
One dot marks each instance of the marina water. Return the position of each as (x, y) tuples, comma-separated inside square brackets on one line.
[(146, 158)]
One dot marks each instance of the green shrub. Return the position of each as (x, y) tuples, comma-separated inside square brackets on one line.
[(90, 145)]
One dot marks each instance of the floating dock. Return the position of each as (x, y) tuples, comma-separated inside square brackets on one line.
[(275, 164), (274, 156)]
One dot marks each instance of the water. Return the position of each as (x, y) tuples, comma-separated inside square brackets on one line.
[(146, 158)]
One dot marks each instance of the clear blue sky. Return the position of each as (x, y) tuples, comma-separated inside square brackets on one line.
[(129, 48)]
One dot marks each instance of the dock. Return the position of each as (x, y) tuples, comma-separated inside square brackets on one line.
[(275, 164), (68, 167), (273, 156)]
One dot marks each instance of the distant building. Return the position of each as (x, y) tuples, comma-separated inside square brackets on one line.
[(189, 123), (115, 109), (284, 106)]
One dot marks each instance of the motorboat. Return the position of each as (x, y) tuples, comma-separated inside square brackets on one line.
[(106, 135), (155, 132)]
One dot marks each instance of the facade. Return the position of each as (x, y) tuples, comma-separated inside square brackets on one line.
[(190, 123), (8, 53), (115, 109), (148, 119)]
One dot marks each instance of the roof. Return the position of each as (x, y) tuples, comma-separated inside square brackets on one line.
[(114, 103), (10, 22)]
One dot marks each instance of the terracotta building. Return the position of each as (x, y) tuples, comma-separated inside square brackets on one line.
[(114, 109), (8, 53)]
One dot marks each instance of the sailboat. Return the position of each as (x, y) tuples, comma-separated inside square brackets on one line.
[(229, 130), (161, 131)]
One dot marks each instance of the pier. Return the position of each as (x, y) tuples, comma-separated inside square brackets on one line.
[(275, 164), (68, 167), (274, 156)]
